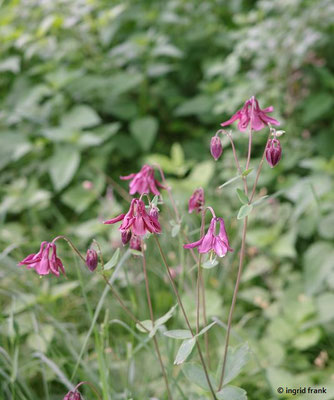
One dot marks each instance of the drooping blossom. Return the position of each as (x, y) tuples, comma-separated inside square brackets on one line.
[(218, 243), (216, 147), (143, 181), (43, 261), (252, 113), (196, 201), (273, 152), (73, 395), (91, 259), (136, 221)]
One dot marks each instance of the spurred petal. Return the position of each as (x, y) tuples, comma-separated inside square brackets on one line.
[(127, 177), (192, 245), (232, 119), (114, 220)]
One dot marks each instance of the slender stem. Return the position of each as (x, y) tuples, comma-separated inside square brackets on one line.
[(206, 334), (185, 316), (259, 170), (70, 243), (229, 323), (152, 320), (121, 303), (237, 163), (91, 386), (198, 293)]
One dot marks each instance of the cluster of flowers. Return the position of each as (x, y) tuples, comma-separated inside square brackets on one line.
[(141, 219)]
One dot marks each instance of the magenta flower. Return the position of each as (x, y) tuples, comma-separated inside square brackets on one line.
[(136, 221), (143, 181), (252, 113), (273, 152), (196, 201), (91, 259), (219, 244), (216, 147), (43, 261), (72, 395)]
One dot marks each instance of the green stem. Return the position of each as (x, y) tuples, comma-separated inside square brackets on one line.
[(185, 317)]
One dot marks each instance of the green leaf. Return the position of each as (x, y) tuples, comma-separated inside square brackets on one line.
[(184, 351), (144, 130), (195, 374), (179, 334), (260, 200), (165, 317), (236, 359), (80, 117), (244, 211), (247, 172), (209, 264), (63, 289), (307, 339), (201, 104), (229, 181), (147, 324), (113, 261), (242, 196), (176, 230), (232, 393), (63, 165), (206, 328)]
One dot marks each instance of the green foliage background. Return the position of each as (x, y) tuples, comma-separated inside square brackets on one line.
[(91, 90)]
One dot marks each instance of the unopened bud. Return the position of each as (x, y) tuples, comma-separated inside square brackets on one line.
[(196, 201), (126, 236), (91, 262), (135, 243), (273, 152), (216, 147)]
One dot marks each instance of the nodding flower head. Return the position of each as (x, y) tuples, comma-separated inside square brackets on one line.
[(251, 113), (217, 243), (143, 181), (136, 221), (72, 395), (45, 261), (196, 201), (216, 147), (91, 259), (273, 152)]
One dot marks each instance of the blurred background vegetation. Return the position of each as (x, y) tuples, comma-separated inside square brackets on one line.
[(91, 90)]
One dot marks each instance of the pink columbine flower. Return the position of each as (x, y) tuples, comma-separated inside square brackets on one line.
[(219, 244), (136, 243), (143, 181), (72, 395), (43, 261), (136, 221), (252, 113), (273, 152), (196, 201), (216, 147)]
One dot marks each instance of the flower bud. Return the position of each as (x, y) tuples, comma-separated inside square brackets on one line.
[(273, 152), (126, 236), (135, 243), (196, 201), (91, 260), (216, 147), (154, 212), (72, 396)]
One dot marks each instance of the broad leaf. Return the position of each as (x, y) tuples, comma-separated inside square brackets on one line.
[(63, 165), (242, 196), (244, 211), (184, 351), (144, 130), (195, 374), (236, 360), (178, 334), (80, 117), (232, 393)]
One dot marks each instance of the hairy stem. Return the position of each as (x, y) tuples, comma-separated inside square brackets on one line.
[(185, 317), (152, 320)]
